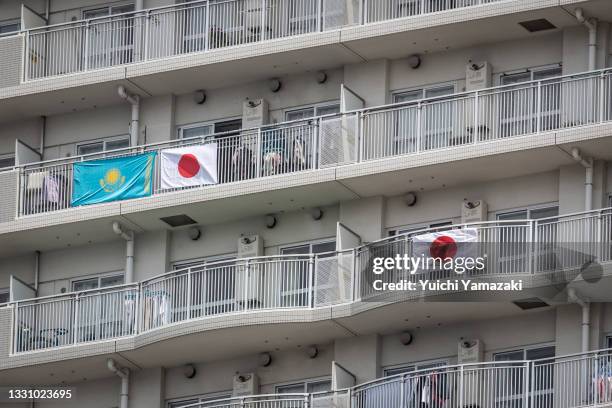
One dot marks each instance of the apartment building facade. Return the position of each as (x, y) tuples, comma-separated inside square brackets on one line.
[(338, 131)]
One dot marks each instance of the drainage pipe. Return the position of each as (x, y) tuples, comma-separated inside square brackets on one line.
[(124, 374), (591, 25), (587, 163), (134, 100), (586, 317), (129, 251)]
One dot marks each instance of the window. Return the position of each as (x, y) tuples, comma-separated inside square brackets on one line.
[(97, 282), (295, 280), (414, 228), (213, 286), (4, 296), (104, 316), (312, 111), (388, 372), (305, 387), (200, 399), (437, 119), (609, 342), (518, 103), (9, 27), (514, 241), (510, 380), (103, 145), (7, 162), (111, 40)]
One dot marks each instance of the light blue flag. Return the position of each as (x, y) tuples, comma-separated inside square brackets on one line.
[(120, 178)]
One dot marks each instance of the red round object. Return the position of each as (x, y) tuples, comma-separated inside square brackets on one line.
[(443, 247), (188, 165)]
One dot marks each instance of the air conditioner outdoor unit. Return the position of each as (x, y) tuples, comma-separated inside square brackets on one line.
[(473, 211), (250, 246), (254, 113), (245, 384), (470, 351), (477, 76)]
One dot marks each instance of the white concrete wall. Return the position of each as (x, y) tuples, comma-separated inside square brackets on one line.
[(219, 239), (288, 366), (500, 195)]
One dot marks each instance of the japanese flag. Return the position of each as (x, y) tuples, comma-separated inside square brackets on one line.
[(457, 243), (189, 166)]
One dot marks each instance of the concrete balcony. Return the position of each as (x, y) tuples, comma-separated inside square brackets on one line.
[(559, 382), (81, 63), (327, 159), (547, 255)]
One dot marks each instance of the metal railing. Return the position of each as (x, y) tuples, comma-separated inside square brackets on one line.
[(534, 248), (200, 26), (358, 136), (578, 380)]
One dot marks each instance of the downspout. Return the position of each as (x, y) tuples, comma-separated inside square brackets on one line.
[(586, 317), (124, 374), (591, 25), (139, 5), (129, 251), (134, 100), (47, 10), (588, 181)]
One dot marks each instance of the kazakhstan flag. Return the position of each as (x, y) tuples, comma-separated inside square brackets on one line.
[(120, 178)]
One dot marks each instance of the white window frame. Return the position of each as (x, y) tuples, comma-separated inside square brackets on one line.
[(314, 106), (528, 208), (104, 142), (409, 228), (531, 112), (301, 291), (411, 142), (202, 398), (531, 70), (223, 304), (99, 277), (209, 123), (524, 349), (416, 366), (304, 382), (110, 50)]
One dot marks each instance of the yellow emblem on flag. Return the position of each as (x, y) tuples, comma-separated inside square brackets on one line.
[(112, 181)]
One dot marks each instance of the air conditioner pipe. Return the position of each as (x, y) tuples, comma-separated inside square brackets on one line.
[(588, 181), (591, 25), (129, 251), (36, 270), (573, 297), (124, 374), (134, 100)]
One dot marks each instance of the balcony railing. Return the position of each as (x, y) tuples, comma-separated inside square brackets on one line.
[(530, 248), (579, 380), (201, 26), (463, 119)]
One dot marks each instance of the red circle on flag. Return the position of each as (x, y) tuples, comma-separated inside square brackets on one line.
[(443, 247), (188, 165)]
